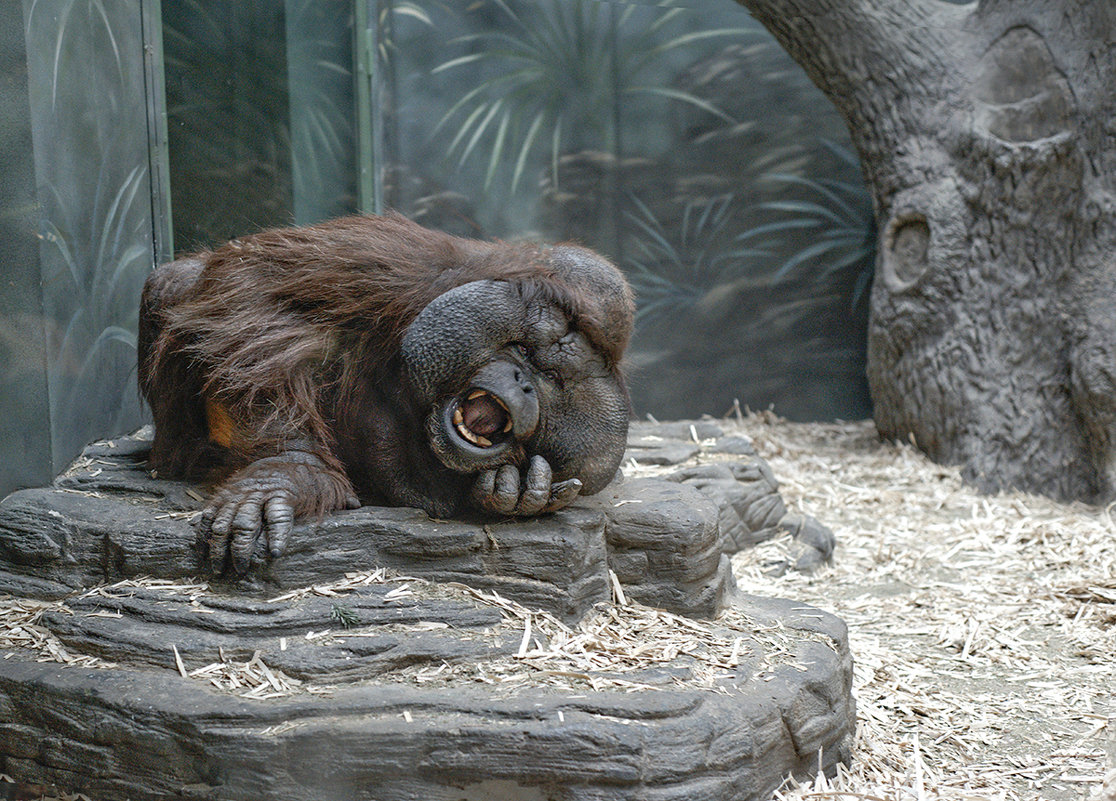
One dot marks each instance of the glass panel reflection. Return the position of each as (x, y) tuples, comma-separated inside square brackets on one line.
[(89, 124), (24, 421), (259, 106), (682, 142), (227, 120)]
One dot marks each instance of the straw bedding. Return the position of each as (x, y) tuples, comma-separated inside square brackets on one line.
[(983, 627)]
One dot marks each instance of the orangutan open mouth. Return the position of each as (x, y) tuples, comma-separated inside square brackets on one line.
[(482, 418)]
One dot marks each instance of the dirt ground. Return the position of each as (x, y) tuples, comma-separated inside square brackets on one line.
[(983, 627)]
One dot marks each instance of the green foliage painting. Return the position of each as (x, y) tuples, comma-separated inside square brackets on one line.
[(678, 139), (556, 76), (86, 79)]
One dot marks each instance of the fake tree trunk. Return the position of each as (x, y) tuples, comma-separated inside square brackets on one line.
[(987, 132)]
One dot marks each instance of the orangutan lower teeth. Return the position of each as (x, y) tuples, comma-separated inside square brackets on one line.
[(476, 439), (463, 430), (481, 416)]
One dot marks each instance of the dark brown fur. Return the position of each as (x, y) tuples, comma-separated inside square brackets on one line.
[(284, 329)]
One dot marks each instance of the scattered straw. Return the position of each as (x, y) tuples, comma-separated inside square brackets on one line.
[(350, 582), (983, 627), (251, 679), (10, 788), (20, 627), (614, 647)]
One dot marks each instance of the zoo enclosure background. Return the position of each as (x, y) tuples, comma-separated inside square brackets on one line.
[(677, 138)]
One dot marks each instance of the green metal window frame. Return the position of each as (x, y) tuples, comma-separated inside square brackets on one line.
[(369, 109)]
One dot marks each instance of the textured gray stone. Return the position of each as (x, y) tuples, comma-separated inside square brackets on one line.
[(146, 733), (741, 446), (690, 430), (106, 519), (138, 625), (665, 546), (62, 538), (138, 729), (656, 451), (740, 484)]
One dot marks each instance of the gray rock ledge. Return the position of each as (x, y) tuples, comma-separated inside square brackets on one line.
[(389, 656), (146, 732)]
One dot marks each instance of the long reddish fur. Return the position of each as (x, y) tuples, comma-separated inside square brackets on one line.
[(282, 325)]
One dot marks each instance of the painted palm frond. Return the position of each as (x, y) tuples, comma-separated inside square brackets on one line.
[(673, 266), (825, 226), (97, 243), (555, 79)]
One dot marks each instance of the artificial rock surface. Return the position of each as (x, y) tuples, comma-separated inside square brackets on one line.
[(443, 677)]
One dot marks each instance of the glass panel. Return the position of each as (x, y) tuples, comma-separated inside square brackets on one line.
[(24, 420), (90, 129), (319, 63), (230, 162), (677, 138), (259, 105)]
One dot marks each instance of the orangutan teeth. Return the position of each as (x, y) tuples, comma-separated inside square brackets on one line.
[(476, 439), (463, 430), (480, 393), (485, 418)]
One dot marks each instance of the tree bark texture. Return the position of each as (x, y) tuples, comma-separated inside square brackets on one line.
[(987, 133)]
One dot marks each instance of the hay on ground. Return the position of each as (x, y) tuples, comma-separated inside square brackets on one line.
[(983, 627)]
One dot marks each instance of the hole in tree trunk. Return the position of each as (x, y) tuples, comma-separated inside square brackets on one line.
[(905, 253)]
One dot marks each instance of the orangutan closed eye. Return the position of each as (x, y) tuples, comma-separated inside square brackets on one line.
[(368, 358)]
